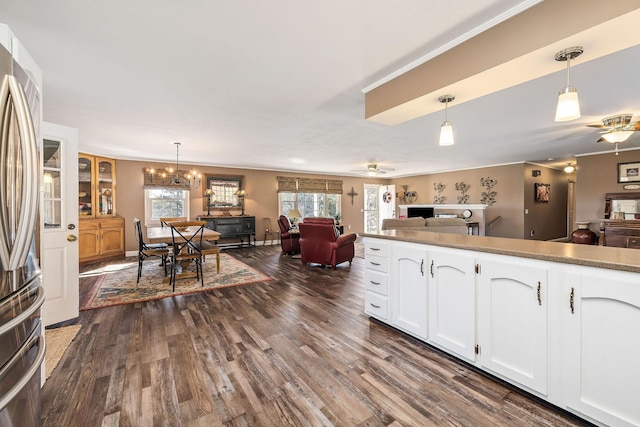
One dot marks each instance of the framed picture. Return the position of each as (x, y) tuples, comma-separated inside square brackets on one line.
[(629, 172), (542, 192)]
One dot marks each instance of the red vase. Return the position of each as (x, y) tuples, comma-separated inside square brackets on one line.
[(583, 236)]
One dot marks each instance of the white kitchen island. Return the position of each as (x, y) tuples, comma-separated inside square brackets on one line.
[(558, 320)]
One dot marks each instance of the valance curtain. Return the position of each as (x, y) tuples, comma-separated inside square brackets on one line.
[(287, 184)]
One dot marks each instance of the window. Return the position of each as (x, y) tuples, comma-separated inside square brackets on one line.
[(311, 196), (311, 204), (164, 203)]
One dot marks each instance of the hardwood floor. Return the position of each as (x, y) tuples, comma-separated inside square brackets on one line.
[(297, 350)]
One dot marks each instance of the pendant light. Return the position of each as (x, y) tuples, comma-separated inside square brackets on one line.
[(568, 106), (446, 129)]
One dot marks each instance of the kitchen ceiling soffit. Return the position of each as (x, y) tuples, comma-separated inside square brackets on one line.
[(501, 57)]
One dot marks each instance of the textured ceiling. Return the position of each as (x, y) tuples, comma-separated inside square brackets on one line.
[(278, 85)]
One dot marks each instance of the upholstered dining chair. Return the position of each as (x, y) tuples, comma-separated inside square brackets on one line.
[(147, 250), (186, 247), (164, 222), (269, 233)]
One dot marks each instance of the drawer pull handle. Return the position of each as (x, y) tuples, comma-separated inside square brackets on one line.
[(374, 306), (375, 249), (432, 268), (374, 283), (571, 301), (422, 268), (539, 297), (374, 263)]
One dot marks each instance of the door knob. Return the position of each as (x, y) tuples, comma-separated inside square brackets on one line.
[(71, 226), (71, 238)]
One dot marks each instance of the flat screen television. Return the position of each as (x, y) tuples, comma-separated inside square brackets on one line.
[(418, 211)]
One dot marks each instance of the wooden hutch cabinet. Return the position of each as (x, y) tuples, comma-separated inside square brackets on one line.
[(621, 224), (101, 231)]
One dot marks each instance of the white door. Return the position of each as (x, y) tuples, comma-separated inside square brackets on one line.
[(512, 321), (371, 203), (408, 289), (452, 296), (59, 213), (601, 314), (387, 198)]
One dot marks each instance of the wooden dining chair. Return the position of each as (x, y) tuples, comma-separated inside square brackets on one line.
[(209, 248), (269, 232), (164, 222), (147, 250), (186, 247)]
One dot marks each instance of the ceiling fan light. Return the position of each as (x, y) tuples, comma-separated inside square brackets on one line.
[(446, 134), (568, 106), (617, 136), (372, 173), (569, 168)]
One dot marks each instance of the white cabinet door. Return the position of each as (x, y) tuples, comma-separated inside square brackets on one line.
[(408, 289), (602, 346), (512, 321), (451, 311)]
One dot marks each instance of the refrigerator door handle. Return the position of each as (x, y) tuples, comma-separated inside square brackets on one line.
[(19, 180), (6, 327), (19, 385)]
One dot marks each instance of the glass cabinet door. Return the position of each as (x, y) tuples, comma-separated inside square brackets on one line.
[(105, 192), (85, 186)]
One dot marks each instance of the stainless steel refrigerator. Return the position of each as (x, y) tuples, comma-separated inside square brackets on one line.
[(22, 345)]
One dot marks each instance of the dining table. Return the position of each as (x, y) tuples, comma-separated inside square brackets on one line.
[(163, 235)]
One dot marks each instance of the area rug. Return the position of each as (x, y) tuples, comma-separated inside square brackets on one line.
[(58, 340), (117, 282)]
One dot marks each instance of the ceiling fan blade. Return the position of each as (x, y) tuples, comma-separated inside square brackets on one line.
[(635, 126), (601, 126)]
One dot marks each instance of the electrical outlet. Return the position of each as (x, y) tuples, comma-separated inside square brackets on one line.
[(349, 227), (531, 233)]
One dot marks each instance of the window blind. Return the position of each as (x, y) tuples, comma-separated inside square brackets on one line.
[(287, 184)]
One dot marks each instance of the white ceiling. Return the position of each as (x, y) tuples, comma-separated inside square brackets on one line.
[(278, 85)]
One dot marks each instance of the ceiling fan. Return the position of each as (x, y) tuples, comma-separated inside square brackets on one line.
[(617, 128), (373, 170)]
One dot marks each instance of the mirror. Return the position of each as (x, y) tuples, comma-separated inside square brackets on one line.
[(622, 206), (224, 188)]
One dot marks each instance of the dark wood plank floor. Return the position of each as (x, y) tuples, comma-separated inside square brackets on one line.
[(297, 350)]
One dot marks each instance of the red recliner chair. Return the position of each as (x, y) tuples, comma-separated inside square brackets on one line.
[(321, 243), (290, 241)]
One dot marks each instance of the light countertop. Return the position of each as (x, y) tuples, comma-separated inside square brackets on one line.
[(568, 253)]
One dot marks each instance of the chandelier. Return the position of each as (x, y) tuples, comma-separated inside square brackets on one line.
[(175, 177)]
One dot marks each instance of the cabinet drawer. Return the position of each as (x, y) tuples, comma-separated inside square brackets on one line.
[(376, 263), (375, 281), (112, 223), (377, 249), (85, 225), (376, 305), (229, 221)]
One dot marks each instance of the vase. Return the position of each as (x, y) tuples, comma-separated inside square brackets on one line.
[(583, 236)]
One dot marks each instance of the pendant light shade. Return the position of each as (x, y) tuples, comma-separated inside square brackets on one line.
[(446, 129), (446, 134), (568, 106)]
